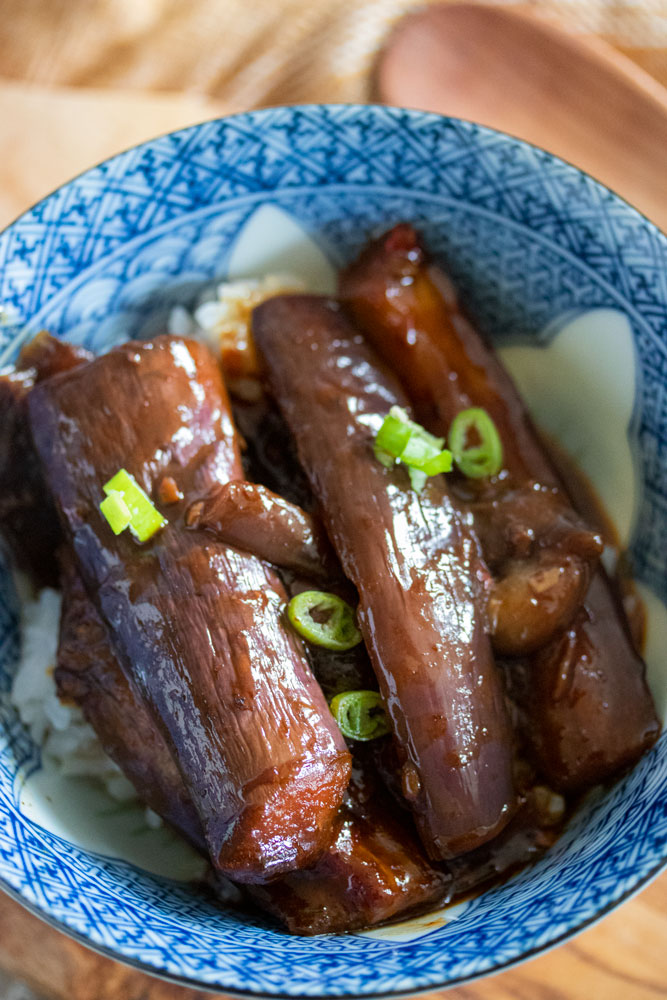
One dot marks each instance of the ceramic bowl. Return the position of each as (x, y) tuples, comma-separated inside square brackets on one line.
[(569, 281)]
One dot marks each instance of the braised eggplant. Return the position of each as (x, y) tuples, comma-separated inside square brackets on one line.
[(89, 675), (587, 706), (28, 519), (504, 660), (415, 564), (196, 625)]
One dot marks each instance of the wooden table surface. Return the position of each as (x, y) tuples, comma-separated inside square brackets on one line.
[(622, 958)]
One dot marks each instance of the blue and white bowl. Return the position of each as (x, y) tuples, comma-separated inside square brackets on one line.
[(572, 285)]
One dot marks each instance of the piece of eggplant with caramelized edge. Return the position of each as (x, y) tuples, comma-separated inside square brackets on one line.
[(255, 519), (196, 625), (374, 871), (28, 519), (588, 681), (415, 564)]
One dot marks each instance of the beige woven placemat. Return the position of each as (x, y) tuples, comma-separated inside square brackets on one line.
[(254, 52), (82, 79)]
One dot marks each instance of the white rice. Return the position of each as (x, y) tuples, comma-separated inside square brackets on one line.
[(67, 742), (222, 317)]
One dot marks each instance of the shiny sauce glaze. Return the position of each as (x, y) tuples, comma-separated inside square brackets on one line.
[(587, 709), (196, 625), (415, 565), (28, 519), (375, 869)]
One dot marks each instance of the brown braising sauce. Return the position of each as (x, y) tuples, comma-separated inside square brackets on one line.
[(543, 813), (585, 499)]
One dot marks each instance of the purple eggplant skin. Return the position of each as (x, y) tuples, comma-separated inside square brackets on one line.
[(253, 518), (416, 566), (587, 707), (89, 675), (28, 520), (197, 626)]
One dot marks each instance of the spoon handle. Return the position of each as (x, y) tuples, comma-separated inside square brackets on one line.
[(517, 72)]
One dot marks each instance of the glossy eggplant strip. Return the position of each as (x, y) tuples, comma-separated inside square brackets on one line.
[(88, 674), (409, 311), (28, 520), (588, 711), (415, 565), (196, 625), (374, 871), (270, 458), (588, 682), (254, 519)]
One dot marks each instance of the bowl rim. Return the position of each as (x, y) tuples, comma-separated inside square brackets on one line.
[(371, 106), (643, 881), (168, 977)]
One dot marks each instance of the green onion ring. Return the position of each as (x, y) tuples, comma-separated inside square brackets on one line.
[(324, 620), (477, 461), (360, 715)]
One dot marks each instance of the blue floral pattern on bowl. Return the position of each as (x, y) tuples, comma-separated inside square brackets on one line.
[(530, 239)]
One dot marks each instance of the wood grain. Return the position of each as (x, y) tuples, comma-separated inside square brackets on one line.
[(622, 958), (575, 96)]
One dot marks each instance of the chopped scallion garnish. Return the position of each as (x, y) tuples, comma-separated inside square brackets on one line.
[(324, 619), (360, 715), (475, 443), (394, 433), (402, 440), (144, 517), (116, 511)]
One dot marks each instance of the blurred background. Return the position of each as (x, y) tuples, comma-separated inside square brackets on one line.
[(83, 79)]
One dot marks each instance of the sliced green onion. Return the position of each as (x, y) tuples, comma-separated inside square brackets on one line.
[(360, 715), (439, 463), (402, 440), (116, 511), (324, 619), (145, 518), (417, 451), (482, 458), (394, 433), (417, 479)]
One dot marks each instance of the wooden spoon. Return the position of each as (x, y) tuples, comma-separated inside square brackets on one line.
[(576, 97)]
